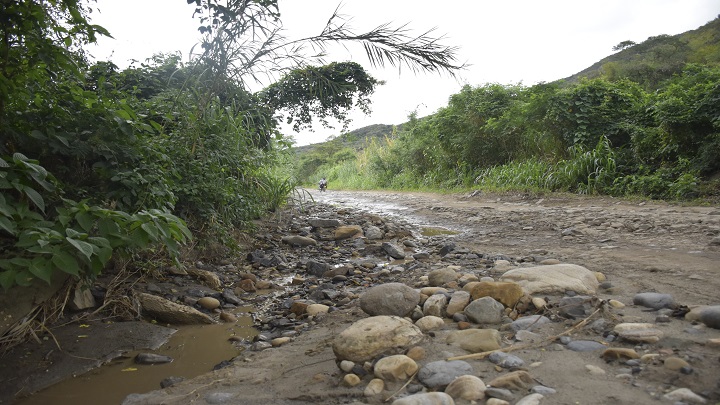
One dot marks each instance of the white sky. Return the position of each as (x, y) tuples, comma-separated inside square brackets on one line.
[(504, 41)]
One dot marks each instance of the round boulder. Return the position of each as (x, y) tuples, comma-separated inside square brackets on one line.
[(389, 299), (367, 338)]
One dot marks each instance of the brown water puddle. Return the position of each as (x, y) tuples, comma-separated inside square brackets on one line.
[(195, 350)]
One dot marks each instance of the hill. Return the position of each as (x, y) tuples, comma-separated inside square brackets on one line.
[(355, 139), (658, 58)]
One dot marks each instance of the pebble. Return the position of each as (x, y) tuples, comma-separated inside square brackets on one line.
[(618, 353), (435, 305), (209, 303), (710, 316), (638, 332), (152, 358), (685, 395), (506, 360), (675, 363), (526, 336), (594, 370), (496, 401), (532, 399), (516, 380), (427, 398), (374, 387), (529, 322), (438, 374), (543, 390), (440, 277), (277, 342), (476, 340), (346, 365), (467, 387), (585, 346), (351, 380), (499, 393), (616, 304), (458, 301), (430, 323), (395, 368), (654, 300), (220, 397), (416, 353)]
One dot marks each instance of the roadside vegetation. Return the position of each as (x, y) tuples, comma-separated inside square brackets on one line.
[(638, 123), (99, 163)]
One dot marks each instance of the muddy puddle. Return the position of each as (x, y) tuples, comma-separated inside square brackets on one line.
[(195, 349)]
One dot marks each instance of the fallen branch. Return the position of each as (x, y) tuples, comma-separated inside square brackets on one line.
[(543, 342)]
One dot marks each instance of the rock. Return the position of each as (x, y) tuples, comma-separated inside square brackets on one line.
[(435, 305), (485, 310), (209, 303), (372, 232), (538, 302), (616, 304), (152, 358), (458, 302), (553, 279), (315, 309), (476, 340), (170, 381), (346, 365), (505, 292), (351, 380), (298, 240), (416, 353), (427, 398), (316, 268), (526, 336), (393, 250), (374, 387), (543, 390), (506, 360), (675, 363), (229, 296), (710, 316), (499, 393), (228, 317), (82, 298), (575, 307), (684, 395), (440, 277), (585, 346), (532, 399), (323, 222), (389, 299), (277, 342), (619, 353), (594, 370), (395, 368), (167, 311), (516, 380), (467, 387), (347, 231), (638, 332), (654, 300), (367, 338), (438, 374), (208, 278), (496, 401), (529, 322), (247, 285), (430, 322), (433, 290)]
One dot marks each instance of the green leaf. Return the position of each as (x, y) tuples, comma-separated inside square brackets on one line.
[(7, 279), (151, 230), (85, 220), (66, 262), (23, 278), (84, 247), (41, 268), (7, 225), (35, 197)]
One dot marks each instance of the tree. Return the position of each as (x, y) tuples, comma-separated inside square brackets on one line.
[(623, 45)]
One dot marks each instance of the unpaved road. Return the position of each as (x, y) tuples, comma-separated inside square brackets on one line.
[(640, 246)]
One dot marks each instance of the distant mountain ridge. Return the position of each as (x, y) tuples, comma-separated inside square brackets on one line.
[(648, 63)]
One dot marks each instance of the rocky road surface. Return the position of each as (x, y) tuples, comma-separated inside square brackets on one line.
[(354, 257)]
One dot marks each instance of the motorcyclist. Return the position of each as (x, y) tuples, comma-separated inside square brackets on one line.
[(323, 184)]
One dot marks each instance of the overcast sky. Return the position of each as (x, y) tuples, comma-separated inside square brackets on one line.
[(504, 41)]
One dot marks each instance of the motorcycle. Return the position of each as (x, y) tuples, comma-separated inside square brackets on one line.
[(323, 187)]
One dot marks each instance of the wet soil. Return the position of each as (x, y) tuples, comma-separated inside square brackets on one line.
[(641, 246)]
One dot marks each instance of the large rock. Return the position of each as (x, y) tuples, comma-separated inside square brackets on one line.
[(710, 316), (654, 300), (298, 240), (435, 305), (167, 311), (372, 232), (438, 374), (467, 387), (367, 338), (393, 250), (395, 368), (82, 298), (476, 340), (485, 310), (553, 279), (505, 292), (389, 299), (426, 398), (458, 302)]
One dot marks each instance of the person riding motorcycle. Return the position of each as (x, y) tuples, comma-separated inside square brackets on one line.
[(323, 184)]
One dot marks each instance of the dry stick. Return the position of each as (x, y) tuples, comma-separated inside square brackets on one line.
[(403, 387), (528, 345)]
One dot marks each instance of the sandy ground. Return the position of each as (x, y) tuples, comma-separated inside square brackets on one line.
[(640, 246)]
